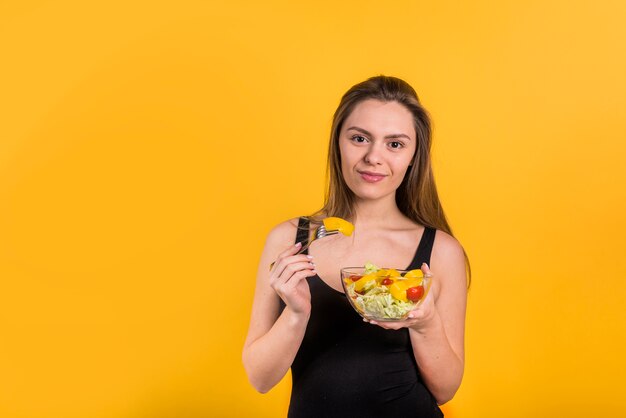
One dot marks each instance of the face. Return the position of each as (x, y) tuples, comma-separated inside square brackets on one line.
[(377, 143)]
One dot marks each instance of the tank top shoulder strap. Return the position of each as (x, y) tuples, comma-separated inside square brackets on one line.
[(424, 249), (302, 235)]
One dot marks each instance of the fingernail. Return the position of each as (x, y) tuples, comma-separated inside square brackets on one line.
[(310, 257), (298, 244)]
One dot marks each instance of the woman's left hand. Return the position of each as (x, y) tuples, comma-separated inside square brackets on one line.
[(420, 317)]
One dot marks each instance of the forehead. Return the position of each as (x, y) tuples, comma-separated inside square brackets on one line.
[(381, 118)]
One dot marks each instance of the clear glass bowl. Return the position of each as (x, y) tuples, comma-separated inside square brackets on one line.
[(386, 295)]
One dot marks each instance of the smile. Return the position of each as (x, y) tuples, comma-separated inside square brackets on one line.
[(371, 177)]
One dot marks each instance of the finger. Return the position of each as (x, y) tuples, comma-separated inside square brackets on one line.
[(289, 251), (416, 315), (283, 263), (295, 267), (425, 269), (283, 260), (278, 280), (293, 249), (389, 325), (289, 285), (431, 296), (297, 277)]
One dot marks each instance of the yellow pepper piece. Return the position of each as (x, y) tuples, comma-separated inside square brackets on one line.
[(410, 282), (338, 224), (393, 273), (360, 284), (398, 292), (399, 287), (414, 273)]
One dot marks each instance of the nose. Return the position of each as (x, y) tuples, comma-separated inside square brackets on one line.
[(373, 155)]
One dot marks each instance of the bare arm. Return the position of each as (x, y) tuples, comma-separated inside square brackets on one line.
[(437, 326), (274, 337)]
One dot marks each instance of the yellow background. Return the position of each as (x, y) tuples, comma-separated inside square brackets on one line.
[(146, 148)]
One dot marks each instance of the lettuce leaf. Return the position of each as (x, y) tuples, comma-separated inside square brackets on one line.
[(370, 268), (379, 302)]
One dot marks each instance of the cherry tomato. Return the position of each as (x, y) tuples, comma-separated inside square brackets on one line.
[(387, 281), (415, 293), (355, 277)]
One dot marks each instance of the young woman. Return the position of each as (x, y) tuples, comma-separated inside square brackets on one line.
[(380, 179)]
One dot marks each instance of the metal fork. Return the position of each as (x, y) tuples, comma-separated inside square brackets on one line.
[(320, 232)]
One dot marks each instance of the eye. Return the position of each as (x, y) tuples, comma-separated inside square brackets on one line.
[(359, 139), (396, 145)]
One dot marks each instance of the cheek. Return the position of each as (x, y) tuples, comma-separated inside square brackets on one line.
[(347, 157), (401, 165), (343, 163)]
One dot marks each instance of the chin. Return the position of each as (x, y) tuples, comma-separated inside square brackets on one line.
[(372, 194)]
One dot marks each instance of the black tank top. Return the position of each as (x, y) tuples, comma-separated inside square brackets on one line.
[(348, 368)]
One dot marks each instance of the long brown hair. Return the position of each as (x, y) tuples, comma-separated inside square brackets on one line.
[(417, 196)]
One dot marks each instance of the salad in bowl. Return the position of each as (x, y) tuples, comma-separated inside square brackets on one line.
[(384, 294)]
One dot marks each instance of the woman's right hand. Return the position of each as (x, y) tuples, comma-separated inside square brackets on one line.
[(288, 279)]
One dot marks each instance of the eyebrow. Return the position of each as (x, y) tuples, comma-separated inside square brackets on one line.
[(392, 136)]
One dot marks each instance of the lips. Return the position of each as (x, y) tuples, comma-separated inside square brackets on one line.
[(370, 177)]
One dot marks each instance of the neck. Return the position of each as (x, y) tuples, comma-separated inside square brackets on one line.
[(372, 213)]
